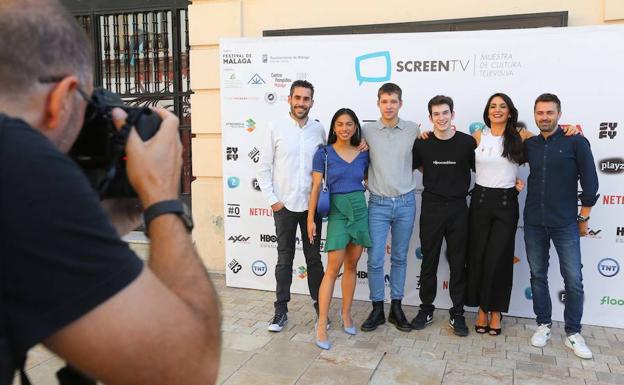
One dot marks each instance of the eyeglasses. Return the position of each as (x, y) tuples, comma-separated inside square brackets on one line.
[(56, 79)]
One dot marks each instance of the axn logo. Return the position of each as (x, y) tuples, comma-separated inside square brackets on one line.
[(238, 238)]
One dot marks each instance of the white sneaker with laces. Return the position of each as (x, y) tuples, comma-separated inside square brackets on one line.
[(576, 342), (541, 336)]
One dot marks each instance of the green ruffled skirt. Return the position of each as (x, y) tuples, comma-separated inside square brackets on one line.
[(347, 222)]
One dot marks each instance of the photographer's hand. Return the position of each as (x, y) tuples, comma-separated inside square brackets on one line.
[(154, 166)]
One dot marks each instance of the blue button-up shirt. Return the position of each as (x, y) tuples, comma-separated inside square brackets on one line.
[(557, 164)]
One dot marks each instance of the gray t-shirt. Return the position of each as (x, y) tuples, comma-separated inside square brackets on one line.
[(390, 171)]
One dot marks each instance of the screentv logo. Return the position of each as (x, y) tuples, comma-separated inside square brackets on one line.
[(606, 300)]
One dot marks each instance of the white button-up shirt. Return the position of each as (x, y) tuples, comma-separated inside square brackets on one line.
[(285, 166)]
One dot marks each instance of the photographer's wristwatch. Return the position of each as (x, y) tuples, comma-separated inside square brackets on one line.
[(173, 206)]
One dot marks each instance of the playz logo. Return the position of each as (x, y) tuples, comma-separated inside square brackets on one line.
[(607, 130), (611, 166)]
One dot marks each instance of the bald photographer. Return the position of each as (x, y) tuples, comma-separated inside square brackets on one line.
[(67, 280)]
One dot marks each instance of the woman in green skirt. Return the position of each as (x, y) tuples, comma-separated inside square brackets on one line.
[(347, 229)]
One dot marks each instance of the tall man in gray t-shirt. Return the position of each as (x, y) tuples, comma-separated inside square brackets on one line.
[(392, 205)]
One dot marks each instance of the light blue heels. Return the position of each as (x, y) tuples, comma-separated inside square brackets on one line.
[(325, 345)]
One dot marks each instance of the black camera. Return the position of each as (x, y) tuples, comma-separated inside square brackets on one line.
[(99, 148)]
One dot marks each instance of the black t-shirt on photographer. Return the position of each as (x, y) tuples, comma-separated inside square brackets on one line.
[(60, 257), (446, 165)]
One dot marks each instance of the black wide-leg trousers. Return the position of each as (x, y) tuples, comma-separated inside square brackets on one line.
[(494, 217)]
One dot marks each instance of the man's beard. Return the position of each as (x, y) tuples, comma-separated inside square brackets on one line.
[(550, 128), (294, 113)]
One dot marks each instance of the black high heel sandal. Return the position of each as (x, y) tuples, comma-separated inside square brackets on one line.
[(496, 331), (482, 329)]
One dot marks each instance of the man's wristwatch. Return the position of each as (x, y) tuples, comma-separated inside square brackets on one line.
[(173, 206), (581, 219)]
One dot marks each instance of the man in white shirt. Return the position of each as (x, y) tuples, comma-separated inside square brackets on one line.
[(285, 178)]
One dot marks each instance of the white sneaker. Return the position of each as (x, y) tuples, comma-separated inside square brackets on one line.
[(541, 336), (576, 342)]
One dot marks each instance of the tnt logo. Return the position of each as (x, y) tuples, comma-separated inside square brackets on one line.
[(259, 268), (607, 130), (608, 267), (373, 67), (562, 296)]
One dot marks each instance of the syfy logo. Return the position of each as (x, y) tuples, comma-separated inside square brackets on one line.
[(607, 130)]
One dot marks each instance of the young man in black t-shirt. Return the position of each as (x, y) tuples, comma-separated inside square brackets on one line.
[(445, 158)]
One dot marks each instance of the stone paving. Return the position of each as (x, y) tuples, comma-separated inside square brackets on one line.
[(386, 356)]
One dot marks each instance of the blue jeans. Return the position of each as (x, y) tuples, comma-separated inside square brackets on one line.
[(385, 214), (567, 243)]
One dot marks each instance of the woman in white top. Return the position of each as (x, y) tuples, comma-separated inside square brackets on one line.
[(494, 213)]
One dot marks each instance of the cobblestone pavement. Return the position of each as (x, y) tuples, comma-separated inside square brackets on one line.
[(252, 355)]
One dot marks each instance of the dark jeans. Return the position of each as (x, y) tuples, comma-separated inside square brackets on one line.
[(567, 243), (443, 220), (286, 223)]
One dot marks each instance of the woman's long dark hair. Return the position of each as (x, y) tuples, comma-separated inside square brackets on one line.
[(512, 142), (357, 135)]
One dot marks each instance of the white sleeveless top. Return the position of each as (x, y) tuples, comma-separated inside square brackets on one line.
[(492, 169)]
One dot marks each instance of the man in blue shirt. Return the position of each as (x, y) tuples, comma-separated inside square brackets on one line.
[(557, 164)]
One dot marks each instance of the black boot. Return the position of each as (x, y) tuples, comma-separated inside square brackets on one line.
[(375, 318), (397, 317)]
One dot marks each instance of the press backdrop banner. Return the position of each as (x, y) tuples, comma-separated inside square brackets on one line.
[(584, 66)]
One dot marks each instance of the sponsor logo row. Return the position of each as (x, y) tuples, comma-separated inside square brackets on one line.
[(605, 300)]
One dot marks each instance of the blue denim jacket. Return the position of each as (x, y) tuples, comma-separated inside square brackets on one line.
[(557, 164)]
